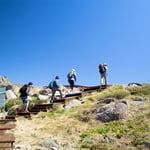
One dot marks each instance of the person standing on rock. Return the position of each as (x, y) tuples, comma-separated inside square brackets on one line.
[(54, 86), (24, 95), (103, 73), (71, 79)]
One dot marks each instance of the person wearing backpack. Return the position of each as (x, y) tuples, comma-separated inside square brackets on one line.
[(103, 73), (71, 79), (54, 86), (24, 93)]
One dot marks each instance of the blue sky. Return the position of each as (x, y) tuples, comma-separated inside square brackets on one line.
[(40, 39)]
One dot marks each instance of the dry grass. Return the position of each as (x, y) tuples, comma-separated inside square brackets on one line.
[(62, 130), (75, 128)]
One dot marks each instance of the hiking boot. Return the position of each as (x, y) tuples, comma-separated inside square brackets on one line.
[(26, 111)]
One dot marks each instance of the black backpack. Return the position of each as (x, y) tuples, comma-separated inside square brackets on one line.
[(70, 75), (23, 91), (102, 69)]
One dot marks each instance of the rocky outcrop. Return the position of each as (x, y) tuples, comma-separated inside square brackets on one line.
[(43, 97), (10, 95), (72, 103), (13, 88), (4, 80), (134, 84), (140, 98), (113, 111), (107, 100), (45, 91)]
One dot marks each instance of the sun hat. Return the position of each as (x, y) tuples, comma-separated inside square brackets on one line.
[(73, 70)]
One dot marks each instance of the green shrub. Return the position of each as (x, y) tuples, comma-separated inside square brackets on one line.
[(101, 130), (135, 131), (97, 146), (115, 93), (130, 124), (11, 103), (119, 94), (83, 135), (60, 111)]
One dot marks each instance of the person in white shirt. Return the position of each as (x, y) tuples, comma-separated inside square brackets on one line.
[(103, 73), (71, 79)]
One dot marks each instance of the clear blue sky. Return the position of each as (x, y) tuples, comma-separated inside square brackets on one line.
[(40, 39)]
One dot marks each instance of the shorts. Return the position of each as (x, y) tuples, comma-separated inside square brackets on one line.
[(24, 99)]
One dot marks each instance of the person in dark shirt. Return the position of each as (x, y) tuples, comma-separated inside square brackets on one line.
[(24, 93), (103, 73)]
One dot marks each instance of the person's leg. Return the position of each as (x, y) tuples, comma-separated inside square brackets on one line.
[(22, 106), (27, 105), (53, 94), (102, 79), (72, 85), (60, 93), (105, 78)]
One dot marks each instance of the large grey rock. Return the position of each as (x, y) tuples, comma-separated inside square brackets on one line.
[(13, 88), (4, 79), (44, 91), (141, 102), (9, 87), (48, 144), (134, 84), (140, 98), (107, 100), (43, 97), (113, 111), (10, 95), (72, 103)]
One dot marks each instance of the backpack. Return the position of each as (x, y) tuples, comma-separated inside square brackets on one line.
[(51, 84), (70, 76), (23, 90), (102, 69)]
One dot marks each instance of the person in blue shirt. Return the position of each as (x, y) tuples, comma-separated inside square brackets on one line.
[(55, 87)]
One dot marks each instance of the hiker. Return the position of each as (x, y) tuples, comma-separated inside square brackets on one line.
[(24, 93), (103, 72), (54, 85), (71, 79)]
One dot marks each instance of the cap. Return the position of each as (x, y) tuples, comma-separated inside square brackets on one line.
[(57, 77), (30, 83)]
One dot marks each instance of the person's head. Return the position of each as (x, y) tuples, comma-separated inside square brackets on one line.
[(57, 78), (30, 84), (72, 70), (100, 65)]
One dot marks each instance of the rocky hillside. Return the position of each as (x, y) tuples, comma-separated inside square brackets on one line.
[(116, 119)]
